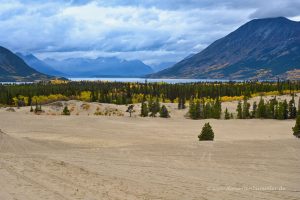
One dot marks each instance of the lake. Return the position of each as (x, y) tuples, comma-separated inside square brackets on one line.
[(142, 80)]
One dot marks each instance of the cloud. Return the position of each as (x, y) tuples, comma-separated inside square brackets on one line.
[(154, 31)]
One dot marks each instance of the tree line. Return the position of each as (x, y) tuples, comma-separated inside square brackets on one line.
[(270, 109), (128, 93)]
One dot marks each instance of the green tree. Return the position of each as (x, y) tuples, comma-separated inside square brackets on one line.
[(285, 109), (282, 110), (254, 107), (239, 110), (155, 108), (271, 108), (164, 113), (144, 109), (217, 109), (296, 128), (38, 108), (66, 111), (227, 115), (206, 133), (192, 109), (246, 111), (292, 109), (261, 109), (298, 112)]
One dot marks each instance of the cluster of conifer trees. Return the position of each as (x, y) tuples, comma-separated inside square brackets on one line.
[(200, 109), (127, 93), (152, 108), (271, 109)]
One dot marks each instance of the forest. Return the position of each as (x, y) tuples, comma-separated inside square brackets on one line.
[(128, 93)]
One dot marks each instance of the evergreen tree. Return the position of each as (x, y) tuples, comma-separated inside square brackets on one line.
[(285, 109), (66, 111), (239, 110), (296, 128), (246, 111), (164, 113), (38, 108), (199, 110), (192, 109), (254, 107), (271, 108), (144, 109), (206, 133), (155, 108), (207, 111), (282, 110), (261, 109), (292, 109), (298, 113), (217, 109), (227, 115)]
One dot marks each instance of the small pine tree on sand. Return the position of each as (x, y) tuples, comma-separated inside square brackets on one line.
[(239, 110), (144, 110), (227, 115), (164, 113), (206, 133), (296, 128), (66, 111)]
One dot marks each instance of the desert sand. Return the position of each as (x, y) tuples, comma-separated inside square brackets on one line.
[(85, 156)]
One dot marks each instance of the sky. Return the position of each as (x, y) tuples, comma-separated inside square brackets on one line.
[(153, 31)]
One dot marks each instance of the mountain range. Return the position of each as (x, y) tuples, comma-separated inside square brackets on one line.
[(102, 66), (260, 49), (39, 65)]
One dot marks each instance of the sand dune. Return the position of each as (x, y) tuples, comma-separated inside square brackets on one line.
[(117, 157)]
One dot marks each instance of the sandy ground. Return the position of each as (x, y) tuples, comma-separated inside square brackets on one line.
[(84, 156)]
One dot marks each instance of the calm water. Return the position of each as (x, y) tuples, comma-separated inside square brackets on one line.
[(139, 80), (142, 80)]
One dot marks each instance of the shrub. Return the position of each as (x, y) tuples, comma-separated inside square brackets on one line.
[(206, 133), (164, 113), (66, 111)]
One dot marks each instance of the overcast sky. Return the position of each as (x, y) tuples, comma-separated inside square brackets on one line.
[(153, 31)]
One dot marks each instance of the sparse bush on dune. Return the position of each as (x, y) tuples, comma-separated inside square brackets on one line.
[(85, 106)]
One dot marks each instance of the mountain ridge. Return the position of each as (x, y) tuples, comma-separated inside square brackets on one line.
[(260, 49), (39, 65), (13, 68), (106, 66)]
